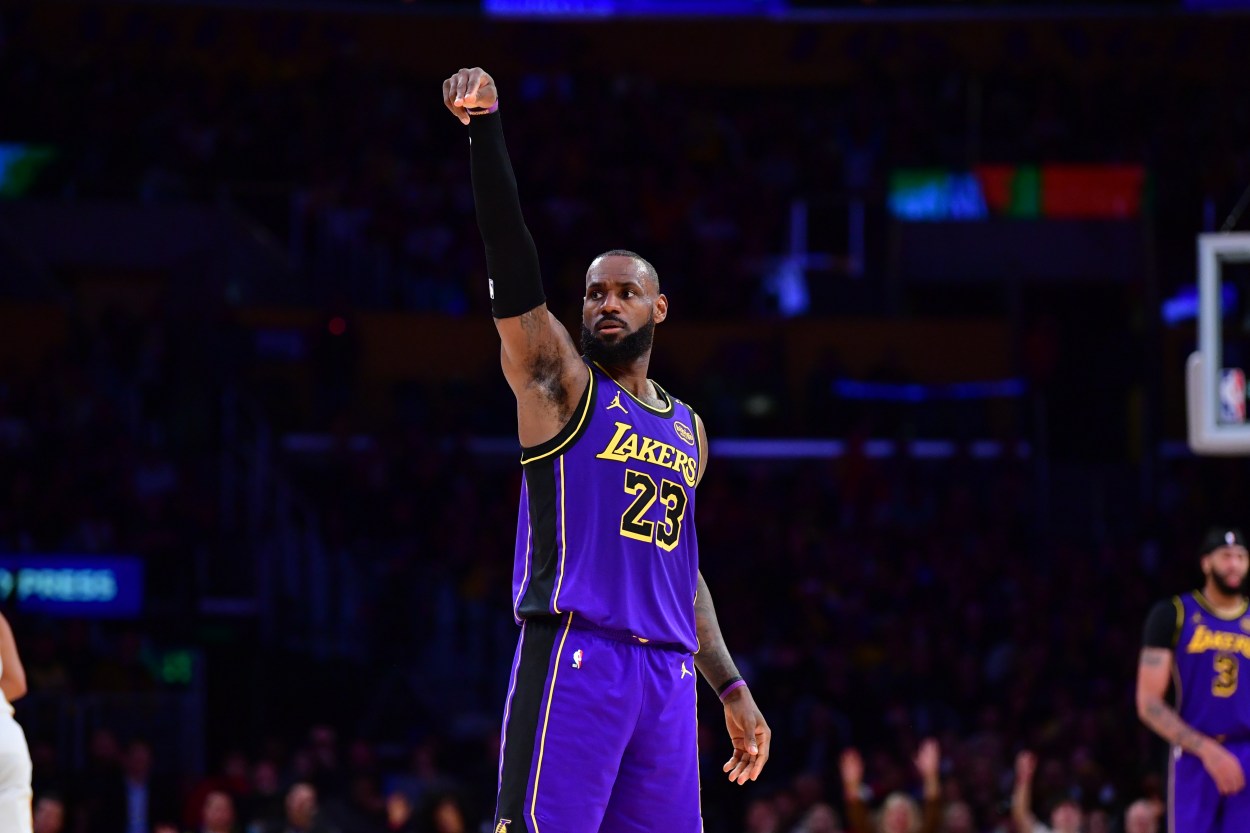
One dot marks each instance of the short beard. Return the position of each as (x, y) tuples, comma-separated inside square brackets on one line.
[(1223, 586), (625, 350)]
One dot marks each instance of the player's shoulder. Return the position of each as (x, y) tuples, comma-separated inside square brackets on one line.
[(1172, 607), (1164, 623)]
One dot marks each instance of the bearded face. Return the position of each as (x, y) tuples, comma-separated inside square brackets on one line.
[(1226, 569), (611, 347)]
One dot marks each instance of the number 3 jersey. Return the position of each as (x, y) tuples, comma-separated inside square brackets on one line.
[(606, 526), (1210, 653)]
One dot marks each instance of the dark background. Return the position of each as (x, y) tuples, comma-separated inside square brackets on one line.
[(244, 335)]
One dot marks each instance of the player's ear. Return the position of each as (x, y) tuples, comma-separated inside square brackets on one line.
[(661, 308)]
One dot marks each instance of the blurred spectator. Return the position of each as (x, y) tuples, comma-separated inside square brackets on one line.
[(821, 818), (361, 809), (231, 779), (762, 817), (1065, 817), (302, 811), (103, 804), (446, 816), (899, 812), (263, 805), (49, 814), (148, 799), (399, 815), (424, 776), (218, 814), (323, 750), (1142, 816), (958, 818)]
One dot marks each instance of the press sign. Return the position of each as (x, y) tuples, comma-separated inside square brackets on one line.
[(107, 586)]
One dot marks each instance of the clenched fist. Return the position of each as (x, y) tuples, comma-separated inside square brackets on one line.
[(469, 89)]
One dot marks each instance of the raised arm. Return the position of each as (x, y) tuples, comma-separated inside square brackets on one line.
[(851, 765), (929, 765), (1022, 817), (1154, 674), (539, 359)]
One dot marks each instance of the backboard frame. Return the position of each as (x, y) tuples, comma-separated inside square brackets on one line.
[(1202, 371)]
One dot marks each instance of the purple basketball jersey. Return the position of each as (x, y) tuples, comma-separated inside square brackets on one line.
[(606, 526), (1211, 696)]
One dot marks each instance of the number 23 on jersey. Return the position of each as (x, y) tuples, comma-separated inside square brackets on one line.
[(666, 532)]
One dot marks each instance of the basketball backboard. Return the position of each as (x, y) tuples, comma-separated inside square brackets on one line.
[(1216, 392)]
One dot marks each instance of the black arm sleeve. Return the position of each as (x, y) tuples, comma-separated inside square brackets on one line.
[(1161, 625), (516, 285)]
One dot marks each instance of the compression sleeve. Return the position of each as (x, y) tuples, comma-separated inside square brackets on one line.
[(516, 285), (1161, 625)]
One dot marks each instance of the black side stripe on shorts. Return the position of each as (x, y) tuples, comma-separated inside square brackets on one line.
[(524, 713)]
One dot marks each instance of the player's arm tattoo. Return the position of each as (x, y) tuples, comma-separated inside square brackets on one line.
[(713, 659), (1162, 718)]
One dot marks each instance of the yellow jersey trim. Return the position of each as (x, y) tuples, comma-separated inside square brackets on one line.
[(577, 430), (1205, 605), (1180, 619), (701, 466), (657, 411), (542, 744)]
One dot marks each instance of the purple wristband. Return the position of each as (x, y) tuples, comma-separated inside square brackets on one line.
[(484, 111), (731, 687)]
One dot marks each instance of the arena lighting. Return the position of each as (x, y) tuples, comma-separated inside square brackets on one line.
[(727, 448), (20, 165), (813, 449), (959, 391), (632, 8), (1183, 306), (873, 449)]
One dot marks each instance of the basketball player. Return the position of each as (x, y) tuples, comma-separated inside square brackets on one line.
[(15, 766), (599, 723), (1199, 640)]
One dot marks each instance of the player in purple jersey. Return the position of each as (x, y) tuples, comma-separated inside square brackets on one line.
[(1195, 644), (599, 722)]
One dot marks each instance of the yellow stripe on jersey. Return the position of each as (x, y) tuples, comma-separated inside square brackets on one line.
[(581, 421)]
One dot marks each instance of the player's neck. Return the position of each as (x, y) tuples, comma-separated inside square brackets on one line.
[(633, 377), (1220, 601)]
